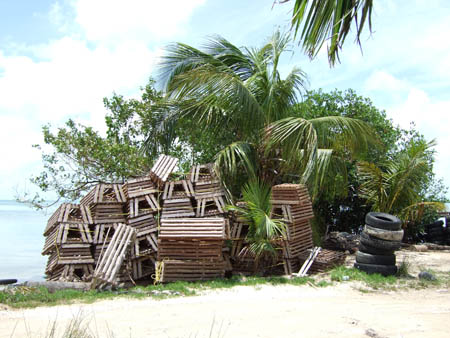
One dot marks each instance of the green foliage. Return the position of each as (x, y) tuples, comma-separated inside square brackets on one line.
[(394, 186), (263, 231), (375, 281), (339, 202), (76, 157), (404, 268), (81, 157), (329, 20), (241, 88)]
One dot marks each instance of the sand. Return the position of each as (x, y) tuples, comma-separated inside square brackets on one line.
[(341, 310)]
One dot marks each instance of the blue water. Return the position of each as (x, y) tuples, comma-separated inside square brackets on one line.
[(21, 241)]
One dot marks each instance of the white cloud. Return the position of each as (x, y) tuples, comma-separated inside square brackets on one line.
[(74, 79), (432, 118), (382, 80), (106, 47), (114, 21), (17, 134)]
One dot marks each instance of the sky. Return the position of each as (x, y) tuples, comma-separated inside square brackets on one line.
[(59, 59)]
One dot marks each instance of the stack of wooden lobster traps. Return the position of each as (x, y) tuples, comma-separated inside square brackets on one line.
[(154, 227), (291, 203), (68, 243), (191, 248), (192, 228)]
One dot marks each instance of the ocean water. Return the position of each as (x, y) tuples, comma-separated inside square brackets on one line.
[(21, 241)]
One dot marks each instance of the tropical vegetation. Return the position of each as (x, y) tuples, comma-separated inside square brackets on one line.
[(235, 107), (315, 22), (243, 90)]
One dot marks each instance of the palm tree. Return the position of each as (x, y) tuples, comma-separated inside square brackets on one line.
[(322, 20), (395, 186), (223, 86), (264, 232)]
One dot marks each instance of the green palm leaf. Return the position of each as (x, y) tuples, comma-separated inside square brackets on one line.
[(318, 21)]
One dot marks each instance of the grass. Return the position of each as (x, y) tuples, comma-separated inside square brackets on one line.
[(374, 281), (27, 297)]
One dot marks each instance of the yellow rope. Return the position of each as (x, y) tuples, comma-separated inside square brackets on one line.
[(158, 272)]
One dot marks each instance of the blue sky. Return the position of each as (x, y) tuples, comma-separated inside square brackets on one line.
[(58, 59)]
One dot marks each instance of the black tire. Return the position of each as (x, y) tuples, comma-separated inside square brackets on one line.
[(436, 232), (7, 281), (435, 228), (380, 243), (436, 239), (365, 258), (435, 225), (382, 220), (385, 270), (374, 251)]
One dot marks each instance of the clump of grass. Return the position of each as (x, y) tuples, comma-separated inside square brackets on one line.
[(375, 281), (404, 268), (77, 327)]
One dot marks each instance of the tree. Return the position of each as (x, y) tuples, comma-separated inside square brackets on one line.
[(396, 185), (223, 87), (242, 89), (264, 232), (317, 21), (340, 205), (76, 157)]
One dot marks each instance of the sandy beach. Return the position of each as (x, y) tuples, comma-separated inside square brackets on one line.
[(267, 311)]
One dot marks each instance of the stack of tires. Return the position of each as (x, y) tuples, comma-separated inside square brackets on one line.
[(381, 237), (436, 233)]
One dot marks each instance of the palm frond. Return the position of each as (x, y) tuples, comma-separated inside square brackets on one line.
[(237, 154), (396, 184), (297, 139), (415, 212), (263, 230), (209, 90), (329, 20), (344, 132), (374, 187)]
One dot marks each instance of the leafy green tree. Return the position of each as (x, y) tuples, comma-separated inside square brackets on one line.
[(396, 185), (223, 86), (76, 157), (317, 21), (339, 203)]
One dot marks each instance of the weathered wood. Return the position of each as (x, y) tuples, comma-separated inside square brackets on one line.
[(162, 168), (110, 262)]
